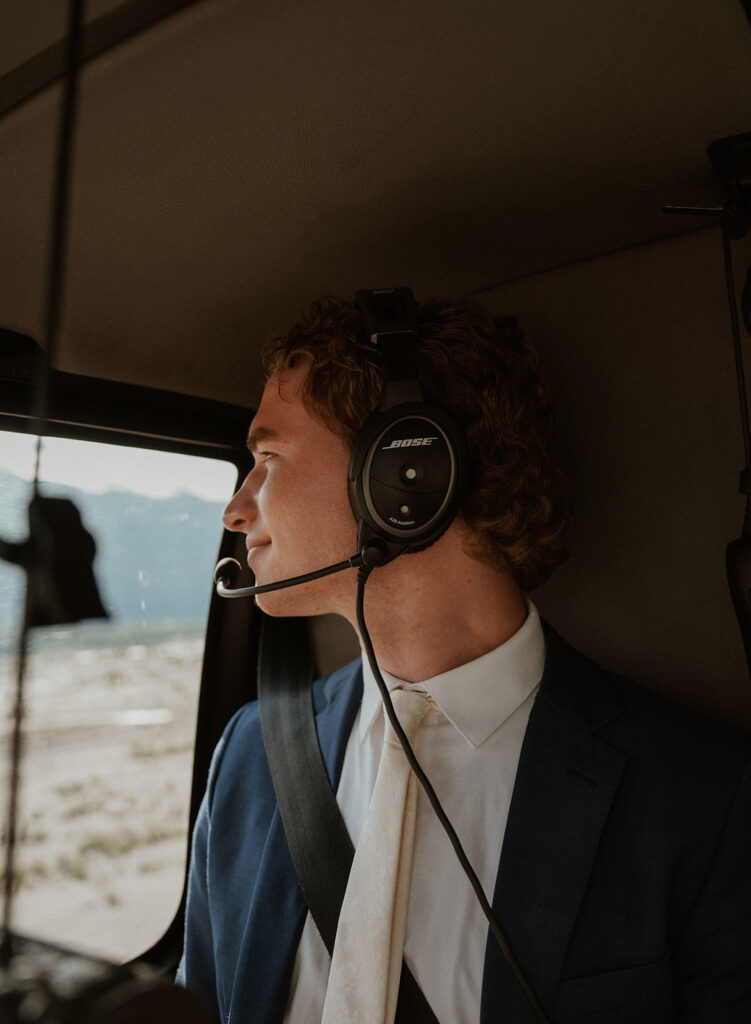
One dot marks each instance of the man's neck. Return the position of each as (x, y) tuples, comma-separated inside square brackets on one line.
[(433, 611)]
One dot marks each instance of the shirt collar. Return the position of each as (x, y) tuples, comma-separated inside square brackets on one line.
[(477, 698)]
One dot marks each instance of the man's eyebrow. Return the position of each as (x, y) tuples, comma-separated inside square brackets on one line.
[(258, 436)]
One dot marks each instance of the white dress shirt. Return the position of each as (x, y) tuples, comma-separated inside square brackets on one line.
[(469, 750)]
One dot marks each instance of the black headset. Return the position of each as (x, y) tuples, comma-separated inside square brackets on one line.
[(408, 466), (409, 461)]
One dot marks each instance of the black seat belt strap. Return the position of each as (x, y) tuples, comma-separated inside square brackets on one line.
[(317, 837)]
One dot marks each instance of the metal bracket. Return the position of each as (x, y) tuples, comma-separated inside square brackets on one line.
[(731, 159)]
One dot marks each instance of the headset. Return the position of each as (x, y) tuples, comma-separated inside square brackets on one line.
[(408, 465), (408, 468)]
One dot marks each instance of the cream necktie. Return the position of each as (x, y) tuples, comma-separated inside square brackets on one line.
[(367, 960)]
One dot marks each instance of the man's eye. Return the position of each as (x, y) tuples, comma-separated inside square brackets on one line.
[(265, 456)]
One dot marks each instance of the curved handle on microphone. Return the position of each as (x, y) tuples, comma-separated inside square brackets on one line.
[(227, 573)]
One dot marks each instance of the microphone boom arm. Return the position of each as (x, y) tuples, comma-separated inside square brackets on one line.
[(228, 570)]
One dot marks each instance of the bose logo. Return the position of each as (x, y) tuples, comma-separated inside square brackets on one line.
[(410, 442)]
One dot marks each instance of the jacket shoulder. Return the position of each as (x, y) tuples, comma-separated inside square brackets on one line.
[(667, 737), (240, 753)]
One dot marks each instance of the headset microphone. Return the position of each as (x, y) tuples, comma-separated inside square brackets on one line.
[(227, 575), (228, 570)]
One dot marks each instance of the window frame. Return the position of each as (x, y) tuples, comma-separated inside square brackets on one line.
[(92, 409)]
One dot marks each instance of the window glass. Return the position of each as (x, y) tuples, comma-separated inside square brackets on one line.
[(110, 704)]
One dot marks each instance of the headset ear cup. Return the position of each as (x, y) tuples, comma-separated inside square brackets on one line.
[(406, 476), (408, 466)]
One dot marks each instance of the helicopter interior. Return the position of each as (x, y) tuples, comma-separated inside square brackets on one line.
[(231, 162)]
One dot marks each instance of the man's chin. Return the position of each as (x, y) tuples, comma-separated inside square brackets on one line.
[(270, 607), (286, 602), (304, 599)]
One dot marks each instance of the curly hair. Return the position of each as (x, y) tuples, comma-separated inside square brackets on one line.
[(487, 375)]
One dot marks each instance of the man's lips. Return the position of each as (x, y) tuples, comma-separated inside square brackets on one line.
[(254, 547)]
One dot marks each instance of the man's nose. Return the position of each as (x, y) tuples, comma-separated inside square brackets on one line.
[(241, 509)]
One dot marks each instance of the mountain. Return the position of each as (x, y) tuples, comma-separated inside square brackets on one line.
[(155, 556)]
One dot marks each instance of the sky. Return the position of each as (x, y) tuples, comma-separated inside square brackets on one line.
[(100, 467)]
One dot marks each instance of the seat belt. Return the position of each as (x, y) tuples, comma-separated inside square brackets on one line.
[(317, 837)]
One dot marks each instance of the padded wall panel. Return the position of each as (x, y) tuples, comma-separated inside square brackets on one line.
[(639, 348)]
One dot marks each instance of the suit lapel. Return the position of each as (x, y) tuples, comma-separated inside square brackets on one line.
[(564, 787)]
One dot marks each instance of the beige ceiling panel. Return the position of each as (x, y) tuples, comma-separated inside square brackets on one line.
[(237, 159)]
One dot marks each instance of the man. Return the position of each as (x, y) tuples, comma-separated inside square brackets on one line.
[(611, 830)]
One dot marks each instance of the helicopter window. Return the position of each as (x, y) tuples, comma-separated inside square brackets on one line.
[(110, 704)]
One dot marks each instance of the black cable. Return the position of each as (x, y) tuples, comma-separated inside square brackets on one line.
[(11, 822), (739, 372), (362, 575), (56, 265), (746, 302), (54, 291)]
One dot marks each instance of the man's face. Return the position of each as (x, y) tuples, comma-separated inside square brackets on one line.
[(293, 506)]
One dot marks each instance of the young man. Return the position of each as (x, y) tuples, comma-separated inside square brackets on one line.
[(611, 830)]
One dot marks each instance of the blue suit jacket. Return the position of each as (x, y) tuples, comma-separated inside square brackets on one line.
[(624, 882)]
